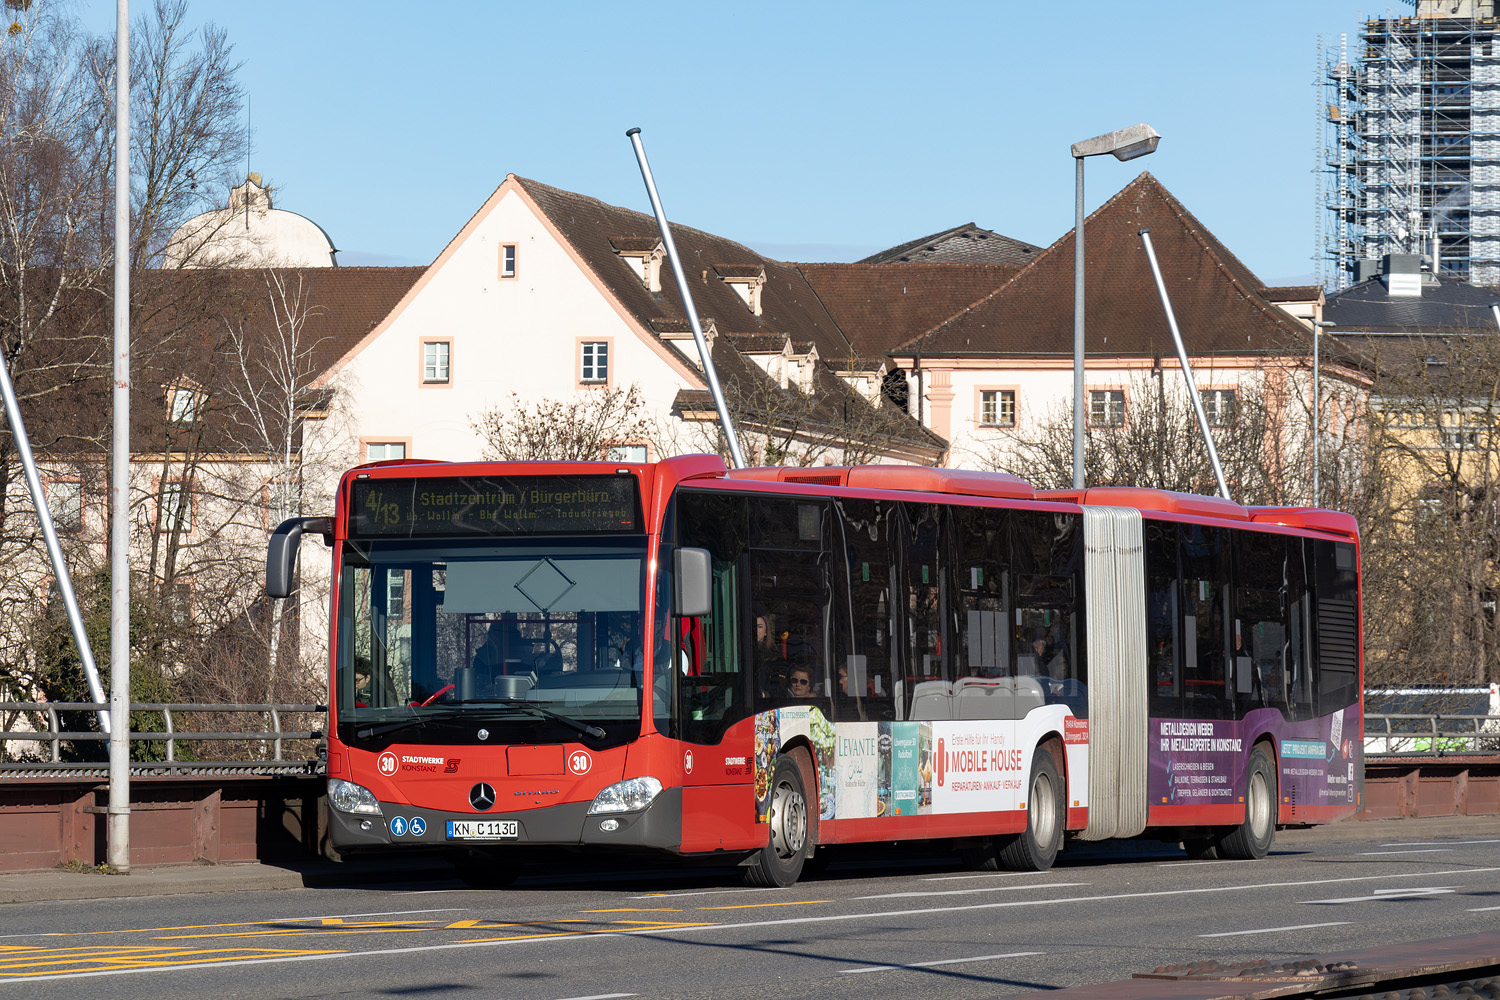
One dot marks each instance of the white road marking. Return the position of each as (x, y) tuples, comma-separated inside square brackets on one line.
[(1424, 850), (741, 925), (1386, 894), (1273, 930), (602, 996), (1439, 843), (1484, 909), (702, 892), (7, 937), (951, 878), (1218, 861), (945, 961), (966, 892)]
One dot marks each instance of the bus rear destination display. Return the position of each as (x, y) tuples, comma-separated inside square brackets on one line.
[(494, 505)]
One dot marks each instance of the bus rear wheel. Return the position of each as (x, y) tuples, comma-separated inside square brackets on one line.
[(779, 863), (1252, 838), (1035, 848)]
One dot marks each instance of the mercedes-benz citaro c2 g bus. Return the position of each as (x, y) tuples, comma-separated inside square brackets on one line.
[(753, 664)]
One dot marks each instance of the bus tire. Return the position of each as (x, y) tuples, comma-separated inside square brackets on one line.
[(1035, 848), (779, 863), (1252, 838)]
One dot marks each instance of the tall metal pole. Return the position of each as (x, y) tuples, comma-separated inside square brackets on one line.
[(1182, 358), (1078, 326), (119, 487), (1317, 427), (687, 302)]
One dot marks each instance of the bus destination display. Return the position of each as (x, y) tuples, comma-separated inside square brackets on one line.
[(495, 505)]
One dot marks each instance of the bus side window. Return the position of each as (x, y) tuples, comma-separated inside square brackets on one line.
[(863, 650), (1260, 624), (715, 697), (1163, 621), (927, 648), (1206, 681)]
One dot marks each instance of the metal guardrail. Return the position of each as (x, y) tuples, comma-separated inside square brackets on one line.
[(1431, 735), (171, 734)]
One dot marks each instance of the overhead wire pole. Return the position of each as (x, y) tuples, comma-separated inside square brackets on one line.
[(1182, 358), (687, 302), (119, 487)]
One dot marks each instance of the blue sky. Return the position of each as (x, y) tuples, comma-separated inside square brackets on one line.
[(809, 131)]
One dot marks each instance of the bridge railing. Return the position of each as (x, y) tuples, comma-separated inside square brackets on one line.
[(1431, 735), (42, 723)]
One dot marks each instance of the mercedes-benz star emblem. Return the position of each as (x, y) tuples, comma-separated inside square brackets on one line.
[(481, 796)]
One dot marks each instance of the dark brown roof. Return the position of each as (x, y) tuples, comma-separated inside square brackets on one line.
[(787, 301), (966, 244), (879, 307), (1216, 298), (635, 244), (1286, 293)]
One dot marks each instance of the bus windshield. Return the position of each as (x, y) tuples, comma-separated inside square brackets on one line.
[(538, 640)]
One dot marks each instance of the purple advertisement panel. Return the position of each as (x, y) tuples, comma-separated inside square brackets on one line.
[(1201, 762)]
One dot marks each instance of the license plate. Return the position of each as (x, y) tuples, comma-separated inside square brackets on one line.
[(483, 829)]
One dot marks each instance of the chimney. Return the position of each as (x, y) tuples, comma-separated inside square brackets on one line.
[(1401, 274)]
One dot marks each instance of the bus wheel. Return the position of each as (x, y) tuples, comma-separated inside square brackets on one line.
[(1252, 838), (1036, 848), (482, 870), (779, 863)]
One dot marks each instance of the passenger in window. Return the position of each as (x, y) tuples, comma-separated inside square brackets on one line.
[(505, 650), (799, 683)]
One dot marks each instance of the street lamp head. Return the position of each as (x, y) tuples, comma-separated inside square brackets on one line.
[(1122, 144)]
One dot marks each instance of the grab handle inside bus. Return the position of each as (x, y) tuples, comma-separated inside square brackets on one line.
[(692, 576), (281, 551)]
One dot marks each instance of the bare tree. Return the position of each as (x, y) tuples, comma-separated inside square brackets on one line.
[(581, 428)]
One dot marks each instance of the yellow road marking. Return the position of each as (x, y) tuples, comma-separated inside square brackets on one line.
[(752, 906), (70, 960)]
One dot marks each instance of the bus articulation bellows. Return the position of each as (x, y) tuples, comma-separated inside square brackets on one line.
[(755, 664)]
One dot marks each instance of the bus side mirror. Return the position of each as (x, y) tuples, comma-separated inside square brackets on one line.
[(281, 551), (692, 579)]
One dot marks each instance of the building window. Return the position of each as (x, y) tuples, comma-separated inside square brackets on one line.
[(183, 408), (997, 407), (176, 513), (627, 453), (1107, 408), (435, 356), (595, 366), (1219, 407), (384, 451), (1460, 438), (508, 260), (65, 500)]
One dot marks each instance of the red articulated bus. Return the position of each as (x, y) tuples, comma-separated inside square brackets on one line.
[(756, 664)]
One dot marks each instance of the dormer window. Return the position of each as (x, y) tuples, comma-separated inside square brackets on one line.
[(182, 405), (747, 280), (643, 254)]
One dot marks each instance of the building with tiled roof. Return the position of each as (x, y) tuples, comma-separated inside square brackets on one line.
[(965, 244), (1003, 364)]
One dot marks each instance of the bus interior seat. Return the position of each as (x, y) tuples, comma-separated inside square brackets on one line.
[(1029, 695), (985, 698), (931, 700)]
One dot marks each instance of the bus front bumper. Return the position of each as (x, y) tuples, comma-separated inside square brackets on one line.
[(658, 826)]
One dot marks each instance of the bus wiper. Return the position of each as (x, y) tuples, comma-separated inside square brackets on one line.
[(416, 720), (582, 727)]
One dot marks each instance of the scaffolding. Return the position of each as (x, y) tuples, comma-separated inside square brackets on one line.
[(1409, 149)]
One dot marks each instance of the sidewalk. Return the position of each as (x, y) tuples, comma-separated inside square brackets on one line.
[(59, 884)]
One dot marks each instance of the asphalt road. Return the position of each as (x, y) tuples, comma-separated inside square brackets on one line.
[(907, 922)]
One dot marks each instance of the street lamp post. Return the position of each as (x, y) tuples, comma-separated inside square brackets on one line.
[(1123, 144), (1317, 421)]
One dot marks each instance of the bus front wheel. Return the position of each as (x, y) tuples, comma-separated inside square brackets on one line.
[(1252, 838), (1035, 848), (780, 862)]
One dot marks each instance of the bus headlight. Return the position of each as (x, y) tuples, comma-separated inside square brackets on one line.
[(346, 796), (626, 796)]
